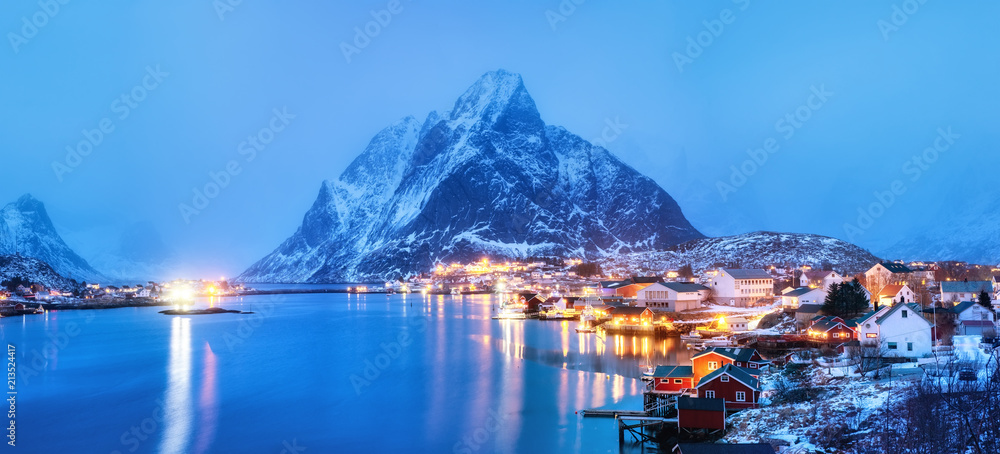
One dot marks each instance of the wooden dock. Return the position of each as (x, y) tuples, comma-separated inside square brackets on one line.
[(612, 413)]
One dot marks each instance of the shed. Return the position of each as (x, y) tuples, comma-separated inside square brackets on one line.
[(694, 413)]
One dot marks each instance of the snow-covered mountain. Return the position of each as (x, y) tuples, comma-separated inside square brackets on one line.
[(25, 228), (966, 228), (759, 250), (487, 177), (32, 270)]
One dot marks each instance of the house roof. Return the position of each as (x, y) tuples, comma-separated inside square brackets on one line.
[(731, 320), (809, 308), (869, 315), (704, 404), (684, 286), (736, 372), (748, 274), (673, 372), (724, 448), (977, 323), (799, 292), (645, 279), (962, 307), (894, 267), (826, 325), (736, 354), (966, 287), (911, 306), (891, 290), (816, 274), (628, 310), (614, 284)]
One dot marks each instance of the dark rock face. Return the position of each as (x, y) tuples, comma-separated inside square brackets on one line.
[(487, 178)]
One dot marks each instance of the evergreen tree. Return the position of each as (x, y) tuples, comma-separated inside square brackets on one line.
[(847, 300), (831, 305), (985, 300)]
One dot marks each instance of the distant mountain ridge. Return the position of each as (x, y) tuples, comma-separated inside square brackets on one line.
[(763, 249), (25, 228), (487, 177)]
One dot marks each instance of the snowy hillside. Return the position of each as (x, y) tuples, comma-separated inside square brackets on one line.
[(26, 223), (761, 249), (33, 270), (488, 177)]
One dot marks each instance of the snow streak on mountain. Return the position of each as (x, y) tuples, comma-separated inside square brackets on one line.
[(489, 177)]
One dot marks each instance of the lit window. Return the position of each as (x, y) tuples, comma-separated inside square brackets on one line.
[(741, 396), (872, 335), (712, 365)]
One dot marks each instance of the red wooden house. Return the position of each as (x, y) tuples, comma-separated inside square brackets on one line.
[(695, 414), (672, 379), (714, 358), (831, 329), (733, 384)]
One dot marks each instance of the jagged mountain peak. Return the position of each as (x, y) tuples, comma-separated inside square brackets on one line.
[(498, 100), (487, 177)]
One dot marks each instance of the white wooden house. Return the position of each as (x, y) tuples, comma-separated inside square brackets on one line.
[(901, 330)]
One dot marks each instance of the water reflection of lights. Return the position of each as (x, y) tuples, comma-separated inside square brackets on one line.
[(565, 339), (208, 404), (178, 412)]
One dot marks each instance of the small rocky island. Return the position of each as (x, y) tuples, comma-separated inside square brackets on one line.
[(211, 310)]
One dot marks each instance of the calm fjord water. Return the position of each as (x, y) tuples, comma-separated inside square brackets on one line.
[(325, 372)]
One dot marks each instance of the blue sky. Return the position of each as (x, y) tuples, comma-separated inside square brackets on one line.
[(891, 86)]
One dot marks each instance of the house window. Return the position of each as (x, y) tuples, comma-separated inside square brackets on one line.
[(892, 346), (725, 379), (712, 365), (678, 381), (871, 335), (909, 346), (868, 325), (836, 335), (904, 314), (753, 365), (741, 396), (710, 394)]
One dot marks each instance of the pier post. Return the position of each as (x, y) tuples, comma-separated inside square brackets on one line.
[(621, 434)]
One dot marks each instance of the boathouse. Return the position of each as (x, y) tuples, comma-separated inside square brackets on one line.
[(672, 379), (733, 384), (701, 414), (632, 316)]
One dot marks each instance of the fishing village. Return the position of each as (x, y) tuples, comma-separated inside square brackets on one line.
[(781, 359)]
